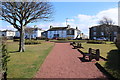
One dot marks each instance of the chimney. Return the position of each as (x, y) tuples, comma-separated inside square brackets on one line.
[(51, 26), (76, 27)]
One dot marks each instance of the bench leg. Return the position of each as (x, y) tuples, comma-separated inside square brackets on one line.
[(90, 58), (83, 56), (97, 58)]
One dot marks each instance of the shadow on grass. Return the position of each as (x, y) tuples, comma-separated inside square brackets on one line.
[(112, 66), (113, 63), (113, 58), (13, 51), (81, 58)]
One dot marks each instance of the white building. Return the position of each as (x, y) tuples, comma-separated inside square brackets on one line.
[(34, 34), (63, 32), (8, 33)]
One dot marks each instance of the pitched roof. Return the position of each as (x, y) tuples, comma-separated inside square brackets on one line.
[(57, 28), (61, 28), (8, 31), (104, 25)]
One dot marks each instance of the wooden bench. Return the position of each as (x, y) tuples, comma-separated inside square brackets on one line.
[(77, 45), (72, 43), (92, 54)]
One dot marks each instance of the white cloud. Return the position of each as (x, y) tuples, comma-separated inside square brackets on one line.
[(86, 21)]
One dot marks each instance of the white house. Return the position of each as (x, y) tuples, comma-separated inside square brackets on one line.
[(34, 34), (63, 32), (8, 33)]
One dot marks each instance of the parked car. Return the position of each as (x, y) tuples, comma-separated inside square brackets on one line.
[(102, 38)]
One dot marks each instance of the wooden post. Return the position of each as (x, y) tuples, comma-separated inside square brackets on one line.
[(97, 54), (90, 52)]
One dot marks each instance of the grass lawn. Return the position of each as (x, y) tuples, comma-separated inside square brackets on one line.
[(110, 52), (104, 48), (26, 64)]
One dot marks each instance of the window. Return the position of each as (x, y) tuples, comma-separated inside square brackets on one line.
[(94, 33), (102, 33), (70, 31), (94, 28), (94, 37), (115, 33), (56, 35)]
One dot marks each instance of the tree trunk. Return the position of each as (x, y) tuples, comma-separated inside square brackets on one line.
[(21, 45), (30, 37)]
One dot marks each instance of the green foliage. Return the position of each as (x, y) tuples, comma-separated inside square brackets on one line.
[(61, 38), (5, 59), (29, 42)]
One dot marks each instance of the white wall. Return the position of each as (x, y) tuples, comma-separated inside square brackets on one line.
[(10, 33), (38, 33), (34, 35), (62, 33)]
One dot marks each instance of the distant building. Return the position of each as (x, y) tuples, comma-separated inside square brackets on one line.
[(63, 32), (8, 33), (100, 32), (36, 33), (83, 36)]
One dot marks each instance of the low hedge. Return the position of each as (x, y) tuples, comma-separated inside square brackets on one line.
[(62, 39), (96, 42), (29, 42)]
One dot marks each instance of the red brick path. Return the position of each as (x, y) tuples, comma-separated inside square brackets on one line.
[(63, 62)]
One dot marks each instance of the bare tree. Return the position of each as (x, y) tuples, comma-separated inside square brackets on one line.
[(29, 31), (107, 26), (19, 14), (106, 21)]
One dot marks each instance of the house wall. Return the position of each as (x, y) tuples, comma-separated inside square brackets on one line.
[(9, 33), (98, 32), (38, 33), (3, 33), (76, 33), (34, 35), (62, 33)]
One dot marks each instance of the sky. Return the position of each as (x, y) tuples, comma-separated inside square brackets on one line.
[(81, 14)]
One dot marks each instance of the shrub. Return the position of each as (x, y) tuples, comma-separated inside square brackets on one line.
[(4, 58), (41, 38), (62, 39), (96, 42), (29, 42), (16, 39)]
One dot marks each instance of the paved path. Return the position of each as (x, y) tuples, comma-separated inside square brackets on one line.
[(63, 62)]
